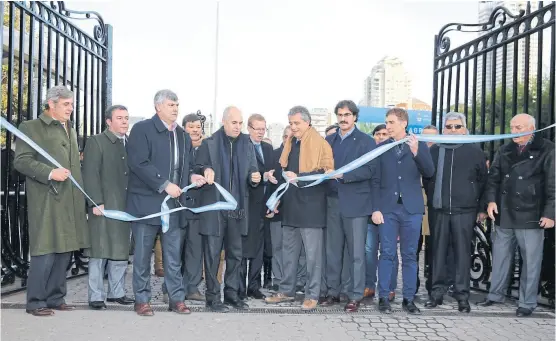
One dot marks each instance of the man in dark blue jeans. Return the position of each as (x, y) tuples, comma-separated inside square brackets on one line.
[(398, 207)]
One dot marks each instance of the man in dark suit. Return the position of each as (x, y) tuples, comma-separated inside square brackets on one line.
[(159, 154), (253, 243), (228, 158), (398, 207), (348, 207)]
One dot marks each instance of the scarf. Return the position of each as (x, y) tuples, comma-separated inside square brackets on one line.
[(315, 153), (437, 197)]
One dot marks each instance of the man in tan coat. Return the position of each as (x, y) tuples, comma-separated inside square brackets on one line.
[(57, 221)]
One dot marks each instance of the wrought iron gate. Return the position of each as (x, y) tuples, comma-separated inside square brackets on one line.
[(506, 69), (43, 47)]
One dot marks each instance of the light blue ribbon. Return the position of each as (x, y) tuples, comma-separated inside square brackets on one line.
[(319, 178), (164, 214)]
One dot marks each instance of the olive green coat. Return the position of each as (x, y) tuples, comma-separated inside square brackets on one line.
[(105, 175), (56, 210)]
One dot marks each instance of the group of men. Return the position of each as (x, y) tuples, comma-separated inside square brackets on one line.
[(324, 240)]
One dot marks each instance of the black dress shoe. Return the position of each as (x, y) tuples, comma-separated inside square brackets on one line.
[(242, 296), (217, 307), (434, 302), (328, 301), (300, 289), (486, 303), (523, 312), (410, 307), (121, 300), (464, 307), (256, 294), (97, 305), (384, 305), (275, 287), (236, 304)]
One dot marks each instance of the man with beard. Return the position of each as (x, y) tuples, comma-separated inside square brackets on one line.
[(253, 243), (228, 158), (455, 190)]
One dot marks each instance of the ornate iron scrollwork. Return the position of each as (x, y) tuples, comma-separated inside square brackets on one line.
[(481, 258), (499, 16), (99, 30)]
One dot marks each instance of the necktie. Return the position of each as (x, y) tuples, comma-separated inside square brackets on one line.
[(520, 148), (260, 151)]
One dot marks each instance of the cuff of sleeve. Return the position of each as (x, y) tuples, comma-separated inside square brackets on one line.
[(50, 175), (163, 187)]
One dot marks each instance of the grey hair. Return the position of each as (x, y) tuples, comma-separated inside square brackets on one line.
[(286, 129), (56, 93), (452, 115), (165, 94), (227, 112), (430, 126), (298, 109), (532, 120)]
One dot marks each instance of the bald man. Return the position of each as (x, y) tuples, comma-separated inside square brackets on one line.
[(228, 158), (520, 197)]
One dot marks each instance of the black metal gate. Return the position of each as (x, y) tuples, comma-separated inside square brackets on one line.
[(506, 69), (43, 47)]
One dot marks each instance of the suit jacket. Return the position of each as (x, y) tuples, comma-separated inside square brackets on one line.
[(149, 162), (354, 189), (402, 174), (208, 156)]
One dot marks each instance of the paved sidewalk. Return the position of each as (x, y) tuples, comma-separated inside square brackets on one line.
[(272, 322)]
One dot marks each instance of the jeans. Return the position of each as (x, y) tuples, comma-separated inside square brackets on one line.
[(371, 253)]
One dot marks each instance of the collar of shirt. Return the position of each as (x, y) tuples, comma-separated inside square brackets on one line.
[(171, 127), (255, 143), (346, 134)]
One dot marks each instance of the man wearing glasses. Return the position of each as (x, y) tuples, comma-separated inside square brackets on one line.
[(253, 242), (456, 190), (520, 197)]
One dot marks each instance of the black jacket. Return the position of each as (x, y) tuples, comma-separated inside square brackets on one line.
[(522, 185), (464, 178), (149, 160), (278, 175)]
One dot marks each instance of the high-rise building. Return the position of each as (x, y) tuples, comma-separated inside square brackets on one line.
[(388, 84), (320, 118), (485, 10)]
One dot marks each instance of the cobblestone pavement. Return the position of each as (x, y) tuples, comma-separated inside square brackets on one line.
[(273, 322)]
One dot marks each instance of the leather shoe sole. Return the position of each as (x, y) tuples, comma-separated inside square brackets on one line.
[(97, 305), (121, 300), (239, 305), (41, 312), (218, 308)]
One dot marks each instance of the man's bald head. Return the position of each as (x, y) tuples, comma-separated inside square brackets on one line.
[(522, 123), (232, 120)]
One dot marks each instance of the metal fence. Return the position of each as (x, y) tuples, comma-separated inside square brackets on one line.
[(505, 68), (44, 47)]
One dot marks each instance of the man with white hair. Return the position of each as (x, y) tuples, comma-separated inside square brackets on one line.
[(456, 190), (520, 197), (159, 160)]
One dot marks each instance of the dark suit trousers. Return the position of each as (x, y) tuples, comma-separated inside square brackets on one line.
[(193, 258), (230, 238), (457, 230), (255, 266), (46, 283)]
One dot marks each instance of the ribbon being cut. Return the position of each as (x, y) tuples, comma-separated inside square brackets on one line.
[(447, 139), (164, 214)]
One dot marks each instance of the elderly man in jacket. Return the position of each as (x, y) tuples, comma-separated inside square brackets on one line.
[(228, 158), (520, 197), (348, 208), (455, 191), (57, 221), (303, 209), (398, 207), (159, 160), (105, 174)]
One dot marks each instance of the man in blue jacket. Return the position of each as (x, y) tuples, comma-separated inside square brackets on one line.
[(398, 207), (159, 154), (348, 207)]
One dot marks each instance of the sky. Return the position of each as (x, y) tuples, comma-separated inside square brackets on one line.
[(273, 54)]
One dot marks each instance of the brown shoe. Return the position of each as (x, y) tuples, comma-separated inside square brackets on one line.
[(309, 304), (279, 298), (180, 308), (369, 293), (143, 309), (352, 306), (64, 307), (197, 296), (40, 312), (159, 272)]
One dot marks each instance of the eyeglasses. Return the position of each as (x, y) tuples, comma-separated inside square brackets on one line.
[(454, 126), (348, 114), (260, 130)]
